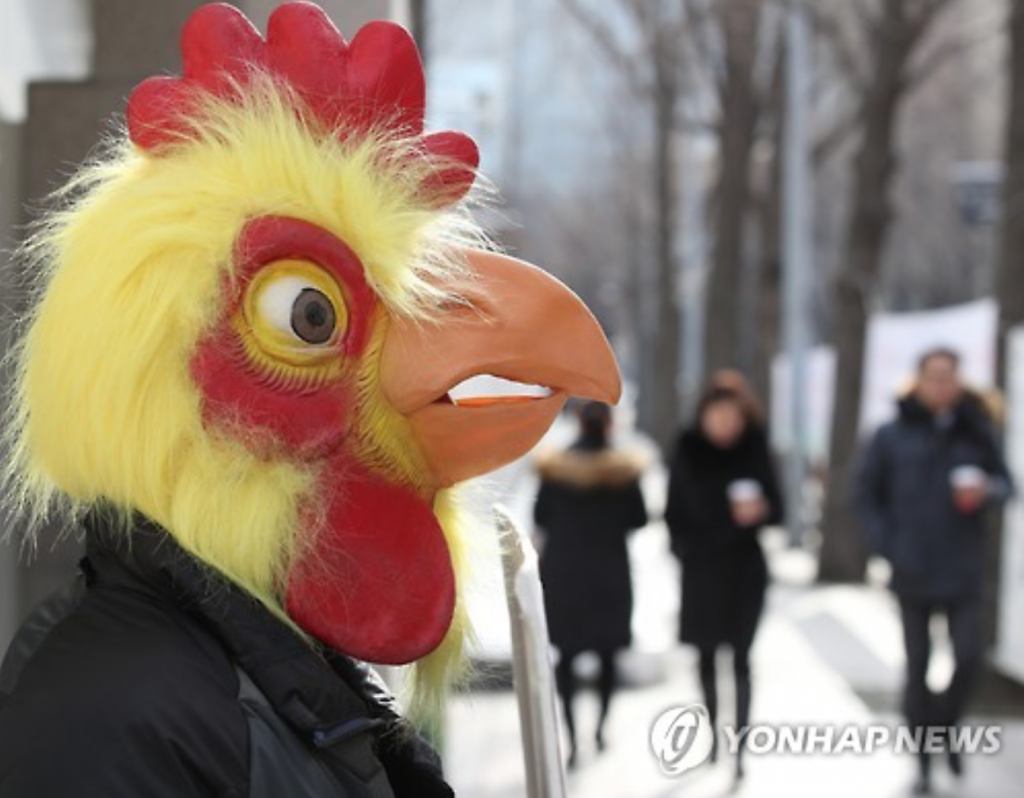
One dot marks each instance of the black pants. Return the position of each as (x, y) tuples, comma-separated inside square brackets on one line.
[(565, 679), (709, 687), (921, 706)]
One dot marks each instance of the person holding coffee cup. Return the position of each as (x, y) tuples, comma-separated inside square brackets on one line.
[(723, 490), (925, 486)]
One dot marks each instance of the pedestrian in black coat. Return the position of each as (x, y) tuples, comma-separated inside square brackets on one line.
[(722, 491), (589, 500), (924, 489)]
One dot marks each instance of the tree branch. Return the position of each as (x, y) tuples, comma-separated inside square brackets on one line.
[(945, 53), (604, 37), (828, 25), (840, 132), (922, 16)]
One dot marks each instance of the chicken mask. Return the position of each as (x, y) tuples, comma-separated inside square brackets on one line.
[(251, 313)]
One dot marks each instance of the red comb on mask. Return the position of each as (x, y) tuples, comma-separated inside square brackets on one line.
[(374, 83)]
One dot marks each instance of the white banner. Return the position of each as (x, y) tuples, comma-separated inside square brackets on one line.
[(896, 340)]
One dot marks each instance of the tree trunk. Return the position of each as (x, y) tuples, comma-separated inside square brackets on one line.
[(655, 72), (843, 555), (666, 342), (1009, 271), (769, 278), (739, 23), (769, 292)]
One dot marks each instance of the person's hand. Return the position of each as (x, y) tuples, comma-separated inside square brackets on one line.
[(750, 512), (969, 499), (970, 488)]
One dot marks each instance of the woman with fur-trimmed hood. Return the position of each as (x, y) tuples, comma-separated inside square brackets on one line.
[(589, 501)]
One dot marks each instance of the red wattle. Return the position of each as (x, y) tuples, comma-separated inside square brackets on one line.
[(376, 582)]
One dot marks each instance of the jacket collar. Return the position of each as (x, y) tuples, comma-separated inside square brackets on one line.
[(297, 677), (590, 468), (968, 414)]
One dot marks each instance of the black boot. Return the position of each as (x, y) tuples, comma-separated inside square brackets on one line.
[(606, 682), (923, 783), (709, 687), (956, 762), (572, 760), (743, 696), (570, 727), (565, 678)]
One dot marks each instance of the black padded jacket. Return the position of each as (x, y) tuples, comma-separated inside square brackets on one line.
[(937, 553), (153, 676)]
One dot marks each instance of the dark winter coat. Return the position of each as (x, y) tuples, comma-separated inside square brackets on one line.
[(587, 503), (152, 676), (724, 569), (906, 503)]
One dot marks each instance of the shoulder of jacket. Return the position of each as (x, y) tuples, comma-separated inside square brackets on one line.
[(126, 662), (893, 428), (122, 701)]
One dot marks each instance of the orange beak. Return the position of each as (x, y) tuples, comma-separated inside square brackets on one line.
[(518, 323)]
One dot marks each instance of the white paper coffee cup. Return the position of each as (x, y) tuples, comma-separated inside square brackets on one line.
[(745, 490), (967, 477)]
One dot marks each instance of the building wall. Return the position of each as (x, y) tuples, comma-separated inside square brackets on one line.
[(347, 15), (10, 146), (40, 39)]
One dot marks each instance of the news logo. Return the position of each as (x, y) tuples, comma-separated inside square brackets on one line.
[(681, 739)]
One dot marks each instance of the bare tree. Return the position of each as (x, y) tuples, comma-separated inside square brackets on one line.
[(896, 33), (932, 256), (700, 66), (738, 26), (655, 69)]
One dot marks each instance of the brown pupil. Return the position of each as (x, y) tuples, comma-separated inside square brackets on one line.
[(313, 317)]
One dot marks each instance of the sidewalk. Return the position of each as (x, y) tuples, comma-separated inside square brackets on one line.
[(823, 656)]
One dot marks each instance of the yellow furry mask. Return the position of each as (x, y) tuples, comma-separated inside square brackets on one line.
[(249, 319)]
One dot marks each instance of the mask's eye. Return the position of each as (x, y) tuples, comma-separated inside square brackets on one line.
[(313, 317), (295, 312)]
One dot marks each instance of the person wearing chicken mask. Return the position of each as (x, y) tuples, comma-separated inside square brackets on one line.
[(925, 486), (236, 384)]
